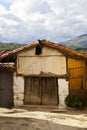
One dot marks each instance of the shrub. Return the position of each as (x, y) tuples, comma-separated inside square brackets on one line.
[(73, 101)]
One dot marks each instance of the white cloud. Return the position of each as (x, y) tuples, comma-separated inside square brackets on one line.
[(55, 20), (2, 9)]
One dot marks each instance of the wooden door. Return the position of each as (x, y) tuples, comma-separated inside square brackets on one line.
[(42, 91), (32, 91), (49, 91), (6, 89)]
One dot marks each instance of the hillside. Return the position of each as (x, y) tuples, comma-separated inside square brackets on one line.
[(78, 43), (10, 46)]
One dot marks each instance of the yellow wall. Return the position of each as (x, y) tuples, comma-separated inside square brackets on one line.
[(76, 70), (74, 63)]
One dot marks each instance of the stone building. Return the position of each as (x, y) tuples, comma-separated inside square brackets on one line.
[(37, 74)]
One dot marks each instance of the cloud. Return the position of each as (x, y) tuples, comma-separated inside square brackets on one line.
[(55, 20), (2, 9)]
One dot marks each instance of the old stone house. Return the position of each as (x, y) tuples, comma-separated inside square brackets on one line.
[(39, 73)]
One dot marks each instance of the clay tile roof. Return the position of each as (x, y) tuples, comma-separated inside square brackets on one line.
[(84, 53), (7, 66), (63, 49), (4, 51), (5, 55)]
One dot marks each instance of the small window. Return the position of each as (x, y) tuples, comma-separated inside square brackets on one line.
[(38, 50)]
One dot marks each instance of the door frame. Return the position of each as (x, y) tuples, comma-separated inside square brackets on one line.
[(39, 77)]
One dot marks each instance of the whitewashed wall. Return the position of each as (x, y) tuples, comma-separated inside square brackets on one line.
[(18, 89), (63, 89)]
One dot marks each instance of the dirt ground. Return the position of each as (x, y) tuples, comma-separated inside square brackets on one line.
[(75, 118)]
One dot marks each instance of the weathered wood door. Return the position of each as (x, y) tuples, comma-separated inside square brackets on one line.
[(42, 91), (6, 90), (49, 91), (32, 91)]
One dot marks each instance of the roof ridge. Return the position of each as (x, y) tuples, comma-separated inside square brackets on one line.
[(63, 49)]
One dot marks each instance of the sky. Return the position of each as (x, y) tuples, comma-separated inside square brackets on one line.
[(24, 21)]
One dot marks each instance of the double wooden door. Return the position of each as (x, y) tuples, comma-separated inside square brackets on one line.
[(41, 91)]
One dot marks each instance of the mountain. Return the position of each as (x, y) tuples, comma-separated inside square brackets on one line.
[(77, 41)]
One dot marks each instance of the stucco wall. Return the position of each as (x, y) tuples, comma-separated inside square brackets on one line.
[(63, 92), (18, 89), (46, 51), (51, 60)]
